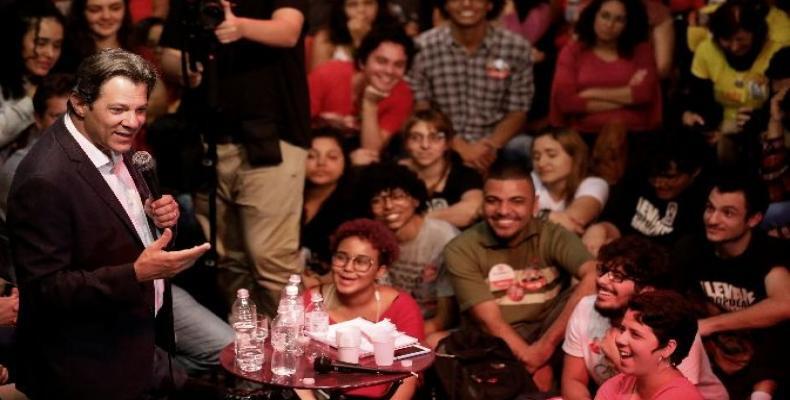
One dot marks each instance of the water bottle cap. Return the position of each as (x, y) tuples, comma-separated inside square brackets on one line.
[(295, 278), (242, 293), (291, 290), (316, 297)]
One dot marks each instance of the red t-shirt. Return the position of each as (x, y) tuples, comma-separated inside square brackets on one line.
[(405, 314), (579, 68), (621, 387), (330, 91)]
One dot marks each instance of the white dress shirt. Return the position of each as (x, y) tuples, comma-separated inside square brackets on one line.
[(117, 176)]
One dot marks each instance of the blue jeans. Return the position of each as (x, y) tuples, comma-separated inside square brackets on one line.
[(200, 335)]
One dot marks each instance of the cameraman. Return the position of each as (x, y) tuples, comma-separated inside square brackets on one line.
[(261, 127)]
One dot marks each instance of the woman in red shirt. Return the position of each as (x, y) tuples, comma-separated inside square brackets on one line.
[(608, 74), (363, 249)]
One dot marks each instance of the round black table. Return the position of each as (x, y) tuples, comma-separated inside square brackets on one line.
[(334, 383)]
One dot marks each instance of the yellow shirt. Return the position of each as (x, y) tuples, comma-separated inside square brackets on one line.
[(734, 89), (778, 26)]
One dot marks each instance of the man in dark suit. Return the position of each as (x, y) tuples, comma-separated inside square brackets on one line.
[(90, 270)]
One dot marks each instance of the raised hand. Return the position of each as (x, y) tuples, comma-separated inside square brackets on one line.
[(156, 263), (230, 30)]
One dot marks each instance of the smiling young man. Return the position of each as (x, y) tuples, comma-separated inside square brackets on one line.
[(739, 277), (626, 267), (370, 95), (480, 76), (512, 274), (397, 198)]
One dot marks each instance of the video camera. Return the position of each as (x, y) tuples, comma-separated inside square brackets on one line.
[(199, 19)]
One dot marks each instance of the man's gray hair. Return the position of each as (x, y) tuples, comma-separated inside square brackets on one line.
[(106, 64)]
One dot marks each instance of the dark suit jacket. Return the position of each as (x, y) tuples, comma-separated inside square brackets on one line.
[(85, 326)]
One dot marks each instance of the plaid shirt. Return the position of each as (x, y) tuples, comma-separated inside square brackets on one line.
[(475, 91)]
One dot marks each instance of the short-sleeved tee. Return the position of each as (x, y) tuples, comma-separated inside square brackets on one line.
[(592, 186), (525, 279), (257, 83), (403, 313), (727, 285), (730, 284), (460, 180), (475, 91), (587, 328), (622, 387), (331, 91), (634, 208), (734, 89), (420, 269)]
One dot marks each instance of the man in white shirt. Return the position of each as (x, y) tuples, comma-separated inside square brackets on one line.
[(627, 266), (89, 267)]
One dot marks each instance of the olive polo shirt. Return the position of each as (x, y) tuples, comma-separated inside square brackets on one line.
[(525, 279)]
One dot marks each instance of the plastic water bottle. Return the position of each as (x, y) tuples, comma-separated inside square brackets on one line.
[(296, 303), (316, 317), (249, 356), (296, 281), (316, 322), (284, 336)]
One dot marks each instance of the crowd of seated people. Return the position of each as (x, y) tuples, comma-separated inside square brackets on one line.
[(603, 186)]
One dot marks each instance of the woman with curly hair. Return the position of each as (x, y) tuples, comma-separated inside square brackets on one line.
[(362, 251), (608, 75), (32, 34)]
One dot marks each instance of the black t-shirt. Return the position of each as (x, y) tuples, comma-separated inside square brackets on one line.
[(460, 180), (635, 209), (731, 284), (256, 82), (716, 285), (315, 234)]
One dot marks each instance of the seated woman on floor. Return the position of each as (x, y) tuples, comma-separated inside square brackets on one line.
[(608, 75), (362, 250), (567, 194), (454, 190), (655, 336)]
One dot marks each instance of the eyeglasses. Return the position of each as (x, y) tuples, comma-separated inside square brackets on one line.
[(361, 263), (396, 195), (612, 271), (433, 138)]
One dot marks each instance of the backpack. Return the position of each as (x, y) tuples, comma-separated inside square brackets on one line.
[(473, 365)]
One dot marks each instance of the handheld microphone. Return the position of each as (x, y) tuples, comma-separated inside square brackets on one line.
[(324, 365), (145, 164)]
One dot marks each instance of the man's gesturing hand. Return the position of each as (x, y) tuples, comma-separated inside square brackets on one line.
[(155, 263)]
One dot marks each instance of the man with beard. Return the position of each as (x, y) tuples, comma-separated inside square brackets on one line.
[(626, 267), (512, 274), (739, 277)]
